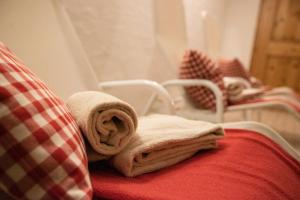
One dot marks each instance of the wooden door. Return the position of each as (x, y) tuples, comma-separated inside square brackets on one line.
[(276, 53)]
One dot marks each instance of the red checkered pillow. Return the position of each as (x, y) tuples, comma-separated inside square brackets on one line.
[(233, 68), (196, 65), (42, 154)]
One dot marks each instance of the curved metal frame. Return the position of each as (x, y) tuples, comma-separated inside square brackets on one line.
[(154, 86), (208, 84), (242, 107)]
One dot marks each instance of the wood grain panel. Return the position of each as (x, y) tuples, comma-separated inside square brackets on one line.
[(284, 48), (283, 71), (287, 23), (276, 53), (275, 69), (264, 30), (293, 74)]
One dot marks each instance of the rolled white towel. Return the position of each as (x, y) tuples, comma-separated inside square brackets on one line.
[(239, 90), (107, 122)]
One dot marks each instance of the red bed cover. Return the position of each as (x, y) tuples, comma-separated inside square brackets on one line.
[(246, 165)]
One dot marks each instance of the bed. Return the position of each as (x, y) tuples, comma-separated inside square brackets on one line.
[(250, 163)]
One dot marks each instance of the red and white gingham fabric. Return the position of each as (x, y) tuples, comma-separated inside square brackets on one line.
[(235, 68), (42, 153), (196, 65)]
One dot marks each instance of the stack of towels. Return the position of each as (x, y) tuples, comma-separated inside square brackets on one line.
[(136, 146)]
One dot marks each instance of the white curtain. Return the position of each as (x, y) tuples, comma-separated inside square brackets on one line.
[(130, 38)]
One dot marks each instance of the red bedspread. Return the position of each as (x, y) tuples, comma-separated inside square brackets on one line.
[(246, 165)]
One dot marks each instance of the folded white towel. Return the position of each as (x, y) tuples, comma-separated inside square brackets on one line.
[(164, 140), (106, 122)]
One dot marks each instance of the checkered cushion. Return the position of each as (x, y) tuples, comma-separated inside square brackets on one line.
[(196, 65), (42, 154), (233, 68)]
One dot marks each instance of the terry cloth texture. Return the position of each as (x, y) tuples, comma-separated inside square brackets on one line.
[(106, 122), (164, 140)]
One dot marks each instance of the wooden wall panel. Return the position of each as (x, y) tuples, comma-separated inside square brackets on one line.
[(283, 71), (276, 53), (286, 21)]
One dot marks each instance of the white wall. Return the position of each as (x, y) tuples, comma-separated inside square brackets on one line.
[(131, 39), (122, 39), (229, 29), (195, 24), (37, 32), (239, 29)]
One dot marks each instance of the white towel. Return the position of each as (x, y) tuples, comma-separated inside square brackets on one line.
[(164, 140), (106, 122)]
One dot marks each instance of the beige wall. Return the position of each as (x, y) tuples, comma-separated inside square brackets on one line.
[(125, 39), (33, 29), (131, 39), (228, 30), (239, 29), (140, 38), (195, 24)]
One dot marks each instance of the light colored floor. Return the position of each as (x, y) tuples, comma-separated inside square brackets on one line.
[(281, 121)]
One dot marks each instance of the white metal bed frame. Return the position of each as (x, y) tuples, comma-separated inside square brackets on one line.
[(169, 102)]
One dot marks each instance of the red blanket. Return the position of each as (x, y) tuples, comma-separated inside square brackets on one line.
[(246, 165)]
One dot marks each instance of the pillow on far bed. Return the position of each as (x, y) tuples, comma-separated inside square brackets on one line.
[(196, 65), (233, 68), (42, 154)]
